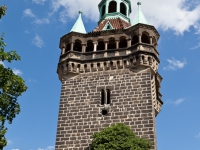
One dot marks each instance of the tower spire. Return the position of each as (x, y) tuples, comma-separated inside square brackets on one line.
[(79, 26), (139, 17)]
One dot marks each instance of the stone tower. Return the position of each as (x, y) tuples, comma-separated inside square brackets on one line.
[(109, 75)]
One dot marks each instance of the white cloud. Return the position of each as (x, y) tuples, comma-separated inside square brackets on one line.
[(17, 72), (48, 148), (196, 47), (32, 80), (37, 41), (39, 1), (176, 15), (28, 13), (70, 11), (2, 63), (42, 21), (175, 64), (9, 142), (27, 32), (16, 149), (176, 102), (198, 136)]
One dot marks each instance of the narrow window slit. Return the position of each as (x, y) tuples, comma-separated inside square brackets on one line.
[(102, 97), (108, 96)]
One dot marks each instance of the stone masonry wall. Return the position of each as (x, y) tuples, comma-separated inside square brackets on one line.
[(80, 106)]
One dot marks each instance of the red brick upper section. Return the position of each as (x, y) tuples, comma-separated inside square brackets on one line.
[(116, 23)]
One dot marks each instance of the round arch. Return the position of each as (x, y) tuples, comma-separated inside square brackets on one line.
[(90, 46), (101, 45), (77, 46), (123, 9), (145, 37), (112, 7), (135, 39), (111, 43), (122, 42)]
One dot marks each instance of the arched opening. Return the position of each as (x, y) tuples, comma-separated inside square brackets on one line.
[(72, 66), (78, 67), (112, 7), (112, 44), (103, 10), (68, 48), (98, 66), (131, 60), (125, 63), (105, 65), (77, 46), (134, 40), (101, 45), (85, 67), (145, 38), (92, 66), (122, 42), (118, 64), (111, 63), (123, 8), (90, 46)]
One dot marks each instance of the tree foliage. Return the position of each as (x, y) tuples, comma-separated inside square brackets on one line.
[(118, 137), (11, 87)]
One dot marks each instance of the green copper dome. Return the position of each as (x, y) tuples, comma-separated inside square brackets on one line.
[(139, 17), (79, 26)]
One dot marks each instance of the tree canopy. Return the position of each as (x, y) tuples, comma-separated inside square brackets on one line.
[(11, 87), (118, 137)]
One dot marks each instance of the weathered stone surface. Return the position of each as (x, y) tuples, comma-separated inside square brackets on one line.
[(80, 112)]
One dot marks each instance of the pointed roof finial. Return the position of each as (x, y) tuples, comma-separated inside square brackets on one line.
[(139, 3), (79, 26), (139, 17), (80, 12)]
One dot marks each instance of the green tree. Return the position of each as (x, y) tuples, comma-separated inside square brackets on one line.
[(11, 87), (118, 137)]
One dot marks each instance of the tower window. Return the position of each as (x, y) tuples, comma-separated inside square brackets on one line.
[(123, 8), (134, 40), (112, 7), (90, 46), (78, 46), (108, 96), (105, 96), (111, 44), (102, 97), (103, 10), (145, 38), (101, 45), (123, 42)]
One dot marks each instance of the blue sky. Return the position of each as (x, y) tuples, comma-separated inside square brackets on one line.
[(34, 28)]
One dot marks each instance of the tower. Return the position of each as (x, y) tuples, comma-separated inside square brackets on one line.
[(109, 75)]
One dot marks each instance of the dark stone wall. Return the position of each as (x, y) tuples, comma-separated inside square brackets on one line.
[(80, 113)]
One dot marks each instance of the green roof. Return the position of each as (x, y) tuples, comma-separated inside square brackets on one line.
[(139, 17), (79, 26)]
